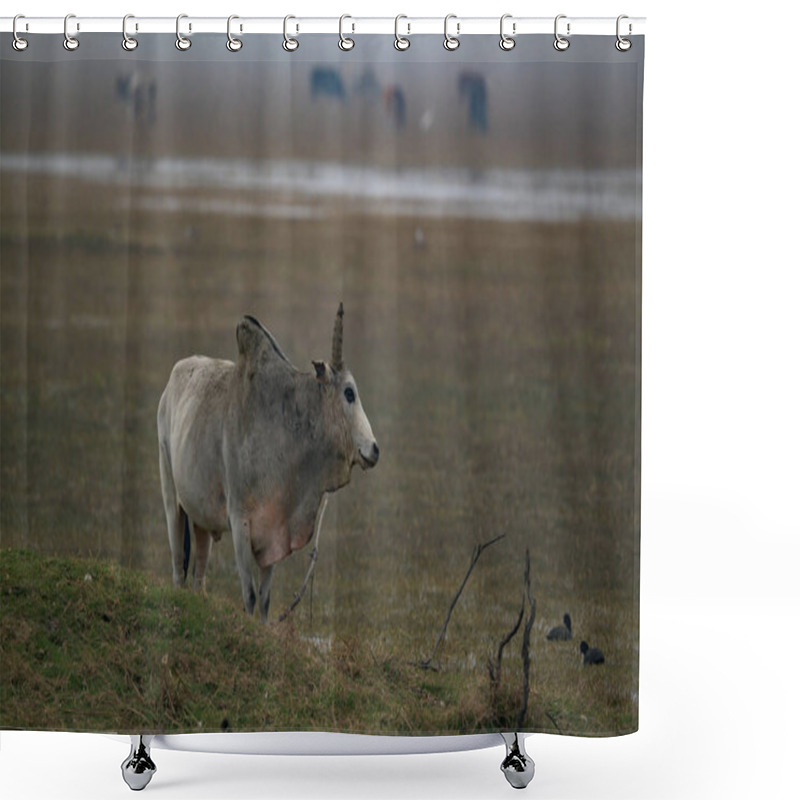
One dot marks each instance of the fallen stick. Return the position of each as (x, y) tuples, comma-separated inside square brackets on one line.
[(476, 554), (312, 561)]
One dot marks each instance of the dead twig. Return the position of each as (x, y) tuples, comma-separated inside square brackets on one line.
[(553, 720), (476, 554), (494, 666), (526, 641), (312, 562)]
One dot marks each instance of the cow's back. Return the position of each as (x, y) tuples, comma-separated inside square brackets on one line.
[(191, 416)]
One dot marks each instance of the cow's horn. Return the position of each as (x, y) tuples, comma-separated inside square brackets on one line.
[(337, 362)]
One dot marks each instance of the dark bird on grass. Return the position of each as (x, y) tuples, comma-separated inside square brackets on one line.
[(561, 633), (591, 655)]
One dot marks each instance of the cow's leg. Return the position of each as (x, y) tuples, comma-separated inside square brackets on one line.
[(178, 538), (241, 546), (202, 540), (264, 585), (176, 519)]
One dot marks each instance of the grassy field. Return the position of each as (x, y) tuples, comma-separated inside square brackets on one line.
[(495, 400), (86, 645)]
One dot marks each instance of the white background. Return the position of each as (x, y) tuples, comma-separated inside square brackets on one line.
[(720, 604)]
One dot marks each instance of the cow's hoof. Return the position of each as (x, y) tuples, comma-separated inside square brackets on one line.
[(138, 768), (517, 766)]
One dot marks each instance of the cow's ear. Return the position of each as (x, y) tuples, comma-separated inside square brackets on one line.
[(249, 336), (324, 372)]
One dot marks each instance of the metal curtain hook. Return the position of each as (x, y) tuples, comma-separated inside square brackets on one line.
[(451, 42), (560, 43), (507, 42), (345, 43), (181, 42), (622, 44), (128, 42), (289, 44), (18, 43), (400, 42), (233, 44), (70, 42)]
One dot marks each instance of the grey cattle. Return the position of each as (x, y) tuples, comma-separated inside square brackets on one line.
[(252, 447), (473, 87), (326, 82), (140, 97)]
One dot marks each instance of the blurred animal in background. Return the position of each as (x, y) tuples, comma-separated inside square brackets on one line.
[(367, 85), (326, 82), (394, 101), (472, 88), (253, 447), (138, 95)]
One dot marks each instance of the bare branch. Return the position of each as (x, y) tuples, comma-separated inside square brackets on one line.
[(526, 641), (312, 561), (553, 720), (494, 666), (476, 554)]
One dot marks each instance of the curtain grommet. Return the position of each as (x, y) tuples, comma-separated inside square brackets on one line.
[(622, 44), (345, 42), (70, 42), (18, 43), (182, 42), (507, 42), (451, 42), (401, 43), (290, 44), (233, 44), (561, 43), (129, 43)]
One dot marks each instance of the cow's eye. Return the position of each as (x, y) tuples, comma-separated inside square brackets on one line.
[(349, 395)]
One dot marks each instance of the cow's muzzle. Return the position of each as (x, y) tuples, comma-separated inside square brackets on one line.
[(371, 459)]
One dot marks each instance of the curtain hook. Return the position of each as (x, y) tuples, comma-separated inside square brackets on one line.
[(181, 41), (400, 42), (289, 44), (507, 42), (345, 43), (19, 43), (70, 42), (451, 42), (622, 44), (233, 44), (128, 42), (561, 43)]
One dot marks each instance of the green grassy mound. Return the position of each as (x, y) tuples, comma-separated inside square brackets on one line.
[(88, 645)]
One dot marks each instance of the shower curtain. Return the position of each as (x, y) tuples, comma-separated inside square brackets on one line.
[(320, 385)]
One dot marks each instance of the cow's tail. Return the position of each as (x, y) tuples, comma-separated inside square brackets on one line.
[(187, 544)]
